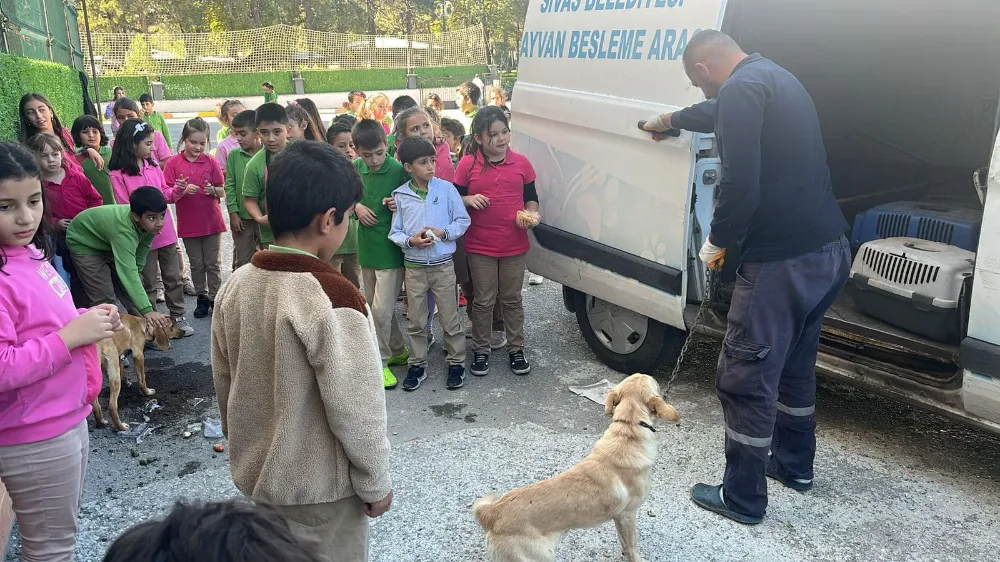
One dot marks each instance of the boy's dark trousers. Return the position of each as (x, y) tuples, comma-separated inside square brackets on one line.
[(766, 377)]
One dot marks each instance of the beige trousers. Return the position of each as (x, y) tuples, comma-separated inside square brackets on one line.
[(45, 483), (100, 281), (381, 287), (205, 253), (339, 530), (497, 281), (347, 265), (439, 282), (245, 243), (165, 263)]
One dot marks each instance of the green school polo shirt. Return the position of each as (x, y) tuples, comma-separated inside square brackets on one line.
[(160, 124), (109, 229), (375, 250), (254, 185), (270, 97), (350, 244), (101, 178), (236, 165)]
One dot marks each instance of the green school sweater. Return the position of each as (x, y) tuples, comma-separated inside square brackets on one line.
[(271, 97), (160, 124), (236, 165), (109, 229), (101, 178), (350, 244), (254, 185), (375, 250)]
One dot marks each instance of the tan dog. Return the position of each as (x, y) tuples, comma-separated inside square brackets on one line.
[(133, 337), (610, 484)]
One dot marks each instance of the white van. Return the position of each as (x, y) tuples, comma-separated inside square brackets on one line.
[(908, 96)]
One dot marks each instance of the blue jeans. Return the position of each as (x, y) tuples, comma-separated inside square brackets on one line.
[(766, 378)]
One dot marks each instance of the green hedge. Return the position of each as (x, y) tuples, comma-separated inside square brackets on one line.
[(446, 76), (134, 86), (323, 81), (19, 76), (241, 84)]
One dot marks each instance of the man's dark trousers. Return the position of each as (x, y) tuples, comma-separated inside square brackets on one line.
[(767, 369)]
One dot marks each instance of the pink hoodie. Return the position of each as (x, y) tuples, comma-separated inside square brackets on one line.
[(123, 185), (45, 389)]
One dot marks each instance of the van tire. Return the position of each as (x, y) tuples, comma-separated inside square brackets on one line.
[(662, 343)]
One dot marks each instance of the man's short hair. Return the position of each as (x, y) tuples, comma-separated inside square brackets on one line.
[(230, 531), (246, 119), (453, 126), (339, 127), (708, 43), (270, 113), (147, 199), (307, 179), (401, 104), (145, 98), (368, 134), (471, 91), (414, 147)]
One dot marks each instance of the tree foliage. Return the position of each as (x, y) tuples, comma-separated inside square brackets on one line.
[(503, 20)]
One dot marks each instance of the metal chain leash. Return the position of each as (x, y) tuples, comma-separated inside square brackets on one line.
[(713, 284)]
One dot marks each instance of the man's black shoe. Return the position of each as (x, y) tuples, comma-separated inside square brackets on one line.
[(774, 473), (710, 498)]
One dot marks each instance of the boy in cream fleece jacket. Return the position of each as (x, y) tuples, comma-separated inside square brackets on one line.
[(293, 347)]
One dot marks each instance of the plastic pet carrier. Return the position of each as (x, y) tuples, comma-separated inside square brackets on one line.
[(920, 286), (958, 226)]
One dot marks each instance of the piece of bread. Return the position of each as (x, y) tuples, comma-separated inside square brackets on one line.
[(530, 217)]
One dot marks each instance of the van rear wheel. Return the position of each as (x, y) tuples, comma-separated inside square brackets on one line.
[(625, 340)]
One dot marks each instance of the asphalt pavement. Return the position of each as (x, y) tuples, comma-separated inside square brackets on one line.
[(892, 482)]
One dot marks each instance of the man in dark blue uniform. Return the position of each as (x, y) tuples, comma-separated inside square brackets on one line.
[(777, 206)]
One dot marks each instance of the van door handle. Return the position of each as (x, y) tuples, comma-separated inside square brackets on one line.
[(659, 135)]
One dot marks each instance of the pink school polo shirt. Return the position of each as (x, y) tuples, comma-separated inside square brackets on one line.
[(494, 230), (149, 175), (197, 214), (161, 150)]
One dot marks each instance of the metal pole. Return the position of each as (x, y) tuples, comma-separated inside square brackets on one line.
[(93, 65), (48, 34)]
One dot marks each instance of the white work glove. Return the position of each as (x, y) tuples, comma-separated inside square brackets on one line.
[(655, 124), (712, 255)]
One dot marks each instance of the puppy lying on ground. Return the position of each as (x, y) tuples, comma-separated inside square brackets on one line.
[(610, 484), (132, 338)]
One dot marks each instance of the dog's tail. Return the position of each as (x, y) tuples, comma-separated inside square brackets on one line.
[(483, 512)]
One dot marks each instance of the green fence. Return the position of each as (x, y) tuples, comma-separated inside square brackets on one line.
[(41, 29), (246, 84)]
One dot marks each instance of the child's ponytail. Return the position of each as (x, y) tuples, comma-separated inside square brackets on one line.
[(298, 115)]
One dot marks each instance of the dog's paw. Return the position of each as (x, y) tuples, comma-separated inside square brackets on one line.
[(149, 391)]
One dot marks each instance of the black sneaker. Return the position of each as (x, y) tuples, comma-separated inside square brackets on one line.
[(518, 364), (456, 377), (774, 473), (480, 364), (204, 305), (414, 377)]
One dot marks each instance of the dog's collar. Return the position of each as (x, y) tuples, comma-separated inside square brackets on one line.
[(647, 426)]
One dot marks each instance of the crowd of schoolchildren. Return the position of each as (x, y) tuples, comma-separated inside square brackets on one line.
[(86, 222)]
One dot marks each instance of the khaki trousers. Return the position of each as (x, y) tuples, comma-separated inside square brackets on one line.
[(347, 265), (165, 262), (100, 280), (245, 243), (45, 483), (498, 281), (381, 287), (468, 287), (205, 253), (339, 530), (439, 282)]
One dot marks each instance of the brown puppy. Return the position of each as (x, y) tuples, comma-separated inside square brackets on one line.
[(133, 337), (610, 484)]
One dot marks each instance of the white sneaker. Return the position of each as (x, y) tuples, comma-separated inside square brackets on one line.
[(498, 340), (535, 279), (181, 324)]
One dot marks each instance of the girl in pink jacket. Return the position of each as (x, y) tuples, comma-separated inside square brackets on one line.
[(49, 371), (132, 166)]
